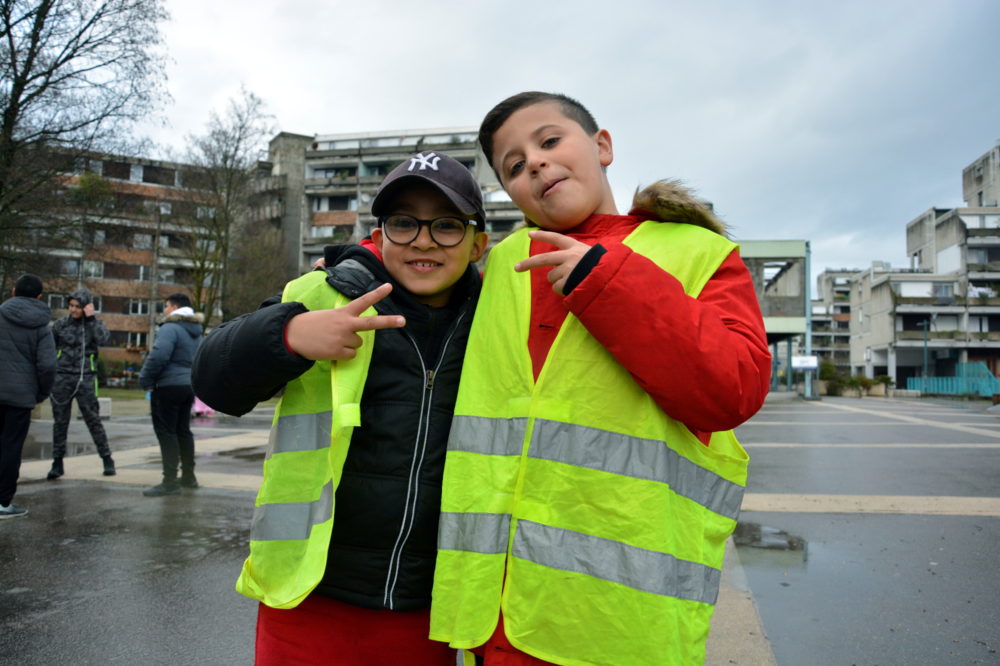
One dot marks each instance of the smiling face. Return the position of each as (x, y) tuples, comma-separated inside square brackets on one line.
[(551, 168), (75, 309), (424, 268)]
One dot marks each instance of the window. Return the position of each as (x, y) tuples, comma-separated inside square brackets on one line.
[(144, 272), (143, 241), (93, 269), (116, 170), (69, 267), (96, 300), (343, 203), (157, 175), (943, 290), (138, 306), (205, 212), (137, 339), (163, 241), (57, 301), (166, 275), (98, 237)]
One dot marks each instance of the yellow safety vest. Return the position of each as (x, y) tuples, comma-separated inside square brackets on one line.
[(595, 521), (310, 435)]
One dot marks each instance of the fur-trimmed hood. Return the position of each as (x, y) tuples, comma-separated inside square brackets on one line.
[(669, 201), (177, 315)]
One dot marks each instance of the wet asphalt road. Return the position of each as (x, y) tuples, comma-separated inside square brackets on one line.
[(98, 574), (890, 514), (886, 514)]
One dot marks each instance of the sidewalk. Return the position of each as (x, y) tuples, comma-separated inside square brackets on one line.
[(230, 460)]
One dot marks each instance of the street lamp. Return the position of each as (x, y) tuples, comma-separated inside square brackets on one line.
[(925, 324)]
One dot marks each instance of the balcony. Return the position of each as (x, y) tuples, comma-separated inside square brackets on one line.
[(932, 335)]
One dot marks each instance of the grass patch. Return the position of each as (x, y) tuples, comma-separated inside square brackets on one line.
[(122, 393)]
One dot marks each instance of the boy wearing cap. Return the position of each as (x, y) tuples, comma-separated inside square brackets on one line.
[(344, 535)]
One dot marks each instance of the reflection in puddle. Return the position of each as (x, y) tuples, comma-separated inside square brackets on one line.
[(756, 535), (768, 547)]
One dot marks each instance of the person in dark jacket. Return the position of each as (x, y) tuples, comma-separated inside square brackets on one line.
[(371, 603), (27, 369), (167, 374), (78, 337)]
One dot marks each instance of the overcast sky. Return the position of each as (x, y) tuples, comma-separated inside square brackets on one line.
[(833, 122)]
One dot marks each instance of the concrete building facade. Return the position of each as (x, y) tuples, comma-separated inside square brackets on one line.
[(328, 182), (981, 180), (133, 250), (831, 318), (945, 308)]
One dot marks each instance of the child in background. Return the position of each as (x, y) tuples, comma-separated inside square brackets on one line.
[(343, 541), (592, 477)]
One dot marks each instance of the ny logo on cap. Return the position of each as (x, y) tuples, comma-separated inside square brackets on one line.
[(429, 160)]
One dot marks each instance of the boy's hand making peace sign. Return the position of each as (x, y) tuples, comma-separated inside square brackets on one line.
[(331, 335), (563, 259)]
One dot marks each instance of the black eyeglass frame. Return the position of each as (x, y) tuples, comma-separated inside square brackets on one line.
[(430, 228)]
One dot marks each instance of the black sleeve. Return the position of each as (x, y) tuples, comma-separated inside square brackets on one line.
[(245, 361), (583, 268)]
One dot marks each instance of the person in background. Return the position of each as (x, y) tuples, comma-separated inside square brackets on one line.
[(27, 370), (167, 375), (78, 337)]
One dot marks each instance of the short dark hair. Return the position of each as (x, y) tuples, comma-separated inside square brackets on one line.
[(179, 299), (28, 285), (499, 114)]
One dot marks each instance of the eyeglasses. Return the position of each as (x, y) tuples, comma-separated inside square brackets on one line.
[(404, 229)]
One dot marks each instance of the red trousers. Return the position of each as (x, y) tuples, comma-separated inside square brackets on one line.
[(499, 652), (324, 631)]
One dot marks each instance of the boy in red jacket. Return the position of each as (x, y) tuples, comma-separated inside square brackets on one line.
[(592, 477)]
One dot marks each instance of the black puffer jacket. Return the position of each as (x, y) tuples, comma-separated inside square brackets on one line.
[(384, 540), (27, 353)]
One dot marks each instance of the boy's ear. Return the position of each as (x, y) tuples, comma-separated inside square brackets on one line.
[(479, 246), (604, 151), (377, 237)]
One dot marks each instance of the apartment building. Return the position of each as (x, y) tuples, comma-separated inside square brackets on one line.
[(831, 317), (981, 180), (945, 308), (327, 183), (133, 250)]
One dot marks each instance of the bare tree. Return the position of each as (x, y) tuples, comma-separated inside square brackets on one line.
[(256, 260), (224, 166), (74, 76)]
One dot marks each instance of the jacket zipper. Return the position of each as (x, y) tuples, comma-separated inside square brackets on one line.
[(419, 447)]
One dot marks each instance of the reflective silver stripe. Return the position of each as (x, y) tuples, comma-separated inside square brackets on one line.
[(638, 458), (484, 533), (300, 432), (292, 521), (489, 436), (637, 568)]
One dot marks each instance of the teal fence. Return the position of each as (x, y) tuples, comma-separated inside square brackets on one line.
[(970, 379)]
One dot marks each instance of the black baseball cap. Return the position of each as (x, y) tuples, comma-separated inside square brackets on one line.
[(445, 173)]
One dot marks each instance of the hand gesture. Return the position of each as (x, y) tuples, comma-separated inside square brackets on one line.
[(563, 260), (330, 335), (88, 310)]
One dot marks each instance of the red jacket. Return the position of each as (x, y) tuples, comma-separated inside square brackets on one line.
[(705, 361)]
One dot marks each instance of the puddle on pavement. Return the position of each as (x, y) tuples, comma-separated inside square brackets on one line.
[(248, 454), (764, 546), (40, 448)]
